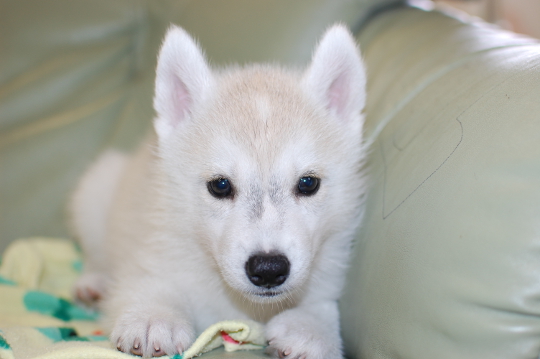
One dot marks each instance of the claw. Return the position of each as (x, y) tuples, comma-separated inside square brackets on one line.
[(158, 352), (136, 350), (284, 353), (94, 295), (287, 352)]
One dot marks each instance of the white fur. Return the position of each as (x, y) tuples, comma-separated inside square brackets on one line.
[(89, 208), (176, 255)]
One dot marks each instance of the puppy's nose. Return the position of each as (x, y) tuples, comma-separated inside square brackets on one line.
[(267, 270)]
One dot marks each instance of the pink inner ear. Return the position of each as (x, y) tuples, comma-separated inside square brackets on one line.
[(338, 94), (181, 101)]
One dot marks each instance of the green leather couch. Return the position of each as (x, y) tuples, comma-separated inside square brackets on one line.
[(447, 264)]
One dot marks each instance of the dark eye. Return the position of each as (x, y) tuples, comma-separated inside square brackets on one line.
[(220, 188), (308, 186)]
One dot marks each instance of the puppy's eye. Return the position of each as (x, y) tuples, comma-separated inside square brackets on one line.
[(220, 188), (308, 186)]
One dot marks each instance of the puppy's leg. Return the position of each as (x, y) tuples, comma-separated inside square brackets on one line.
[(89, 209), (306, 332), (151, 321)]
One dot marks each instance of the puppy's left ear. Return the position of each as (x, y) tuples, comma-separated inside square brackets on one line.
[(336, 76)]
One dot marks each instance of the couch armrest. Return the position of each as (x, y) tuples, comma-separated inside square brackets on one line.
[(447, 263)]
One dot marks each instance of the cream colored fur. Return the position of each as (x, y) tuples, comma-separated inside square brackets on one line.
[(168, 259)]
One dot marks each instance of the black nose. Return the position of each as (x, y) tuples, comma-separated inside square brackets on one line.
[(267, 270)]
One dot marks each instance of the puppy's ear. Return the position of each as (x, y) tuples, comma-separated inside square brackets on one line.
[(183, 79), (336, 76)]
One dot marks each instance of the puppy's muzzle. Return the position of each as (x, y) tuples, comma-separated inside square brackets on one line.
[(267, 270)]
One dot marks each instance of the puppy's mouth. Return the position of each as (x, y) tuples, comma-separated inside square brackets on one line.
[(269, 294), (266, 295)]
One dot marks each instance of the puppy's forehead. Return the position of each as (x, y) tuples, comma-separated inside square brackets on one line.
[(261, 120), (262, 103)]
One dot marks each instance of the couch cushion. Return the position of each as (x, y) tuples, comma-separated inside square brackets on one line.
[(448, 262)]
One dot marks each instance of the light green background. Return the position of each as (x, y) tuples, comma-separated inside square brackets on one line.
[(77, 77)]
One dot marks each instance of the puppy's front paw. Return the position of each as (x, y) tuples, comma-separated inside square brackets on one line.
[(89, 288), (152, 336), (301, 338)]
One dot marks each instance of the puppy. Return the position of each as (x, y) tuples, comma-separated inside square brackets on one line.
[(243, 205)]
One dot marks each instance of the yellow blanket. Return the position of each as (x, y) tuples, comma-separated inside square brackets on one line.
[(38, 318)]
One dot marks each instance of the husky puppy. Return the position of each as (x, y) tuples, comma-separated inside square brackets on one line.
[(242, 206)]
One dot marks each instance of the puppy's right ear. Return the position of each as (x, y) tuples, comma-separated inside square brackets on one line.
[(182, 81)]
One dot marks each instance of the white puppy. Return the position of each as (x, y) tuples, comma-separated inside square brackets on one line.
[(243, 206)]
